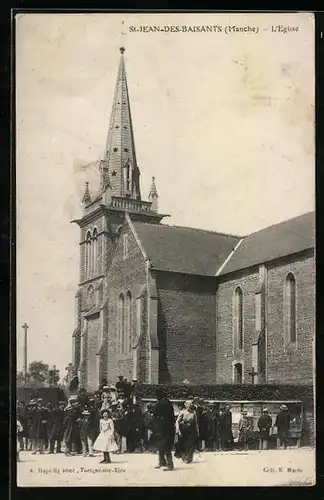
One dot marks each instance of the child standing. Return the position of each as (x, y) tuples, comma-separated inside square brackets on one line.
[(105, 442), (244, 430)]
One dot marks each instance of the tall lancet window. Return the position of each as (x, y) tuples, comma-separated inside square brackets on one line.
[(238, 318), (128, 325), (290, 309), (238, 373), (94, 250), (87, 253), (121, 323)]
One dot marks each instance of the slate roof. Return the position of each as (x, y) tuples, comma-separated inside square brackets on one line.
[(286, 238), (183, 249)]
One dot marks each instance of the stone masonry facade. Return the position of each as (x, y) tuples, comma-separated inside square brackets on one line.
[(125, 275), (186, 328), (288, 364), (292, 364), (194, 322)]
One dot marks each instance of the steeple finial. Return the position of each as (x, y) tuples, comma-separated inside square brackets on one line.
[(122, 50), (153, 196), (86, 197)]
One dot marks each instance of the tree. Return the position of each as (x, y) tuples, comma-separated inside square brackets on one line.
[(38, 371), (54, 376)]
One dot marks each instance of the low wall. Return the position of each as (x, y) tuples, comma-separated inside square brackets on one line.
[(49, 394), (232, 392), (248, 393)]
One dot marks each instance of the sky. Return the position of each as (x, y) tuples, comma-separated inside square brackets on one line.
[(225, 123)]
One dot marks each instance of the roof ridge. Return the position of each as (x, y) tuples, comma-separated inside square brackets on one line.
[(193, 228), (279, 223)]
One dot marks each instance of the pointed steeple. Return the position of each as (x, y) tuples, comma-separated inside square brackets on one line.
[(153, 196), (86, 197), (119, 159)]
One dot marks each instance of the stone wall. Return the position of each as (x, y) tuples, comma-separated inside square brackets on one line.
[(186, 328), (292, 364)]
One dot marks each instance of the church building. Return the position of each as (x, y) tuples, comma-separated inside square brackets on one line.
[(168, 304)]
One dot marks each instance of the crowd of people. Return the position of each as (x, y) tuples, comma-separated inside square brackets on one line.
[(113, 421)]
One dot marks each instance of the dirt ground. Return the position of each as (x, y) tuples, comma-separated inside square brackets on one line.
[(291, 467)]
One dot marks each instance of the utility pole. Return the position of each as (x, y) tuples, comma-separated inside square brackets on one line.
[(25, 328)]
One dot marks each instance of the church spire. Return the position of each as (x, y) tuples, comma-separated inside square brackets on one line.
[(119, 159), (153, 196)]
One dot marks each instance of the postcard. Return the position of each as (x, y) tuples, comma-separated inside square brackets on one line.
[(165, 167)]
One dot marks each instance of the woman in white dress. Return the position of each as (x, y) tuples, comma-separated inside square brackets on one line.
[(105, 442)]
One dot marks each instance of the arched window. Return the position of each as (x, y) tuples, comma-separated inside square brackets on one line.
[(87, 253), (128, 325), (121, 326), (290, 308), (238, 373), (238, 318), (94, 250)]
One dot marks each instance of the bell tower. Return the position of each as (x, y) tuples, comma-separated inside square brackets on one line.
[(102, 218)]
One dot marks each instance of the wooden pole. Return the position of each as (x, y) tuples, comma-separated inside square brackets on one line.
[(25, 328)]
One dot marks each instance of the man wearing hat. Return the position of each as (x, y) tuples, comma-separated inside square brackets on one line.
[(164, 429), (84, 428), (117, 416), (147, 425), (83, 397), (264, 424), (105, 398), (70, 424), (283, 424), (113, 394), (134, 391), (31, 422), (120, 385), (41, 428), (97, 400), (128, 389), (57, 429), (94, 422), (225, 427)]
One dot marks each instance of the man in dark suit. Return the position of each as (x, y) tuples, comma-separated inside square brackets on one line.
[(164, 428), (226, 433), (120, 384), (283, 424), (57, 428)]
